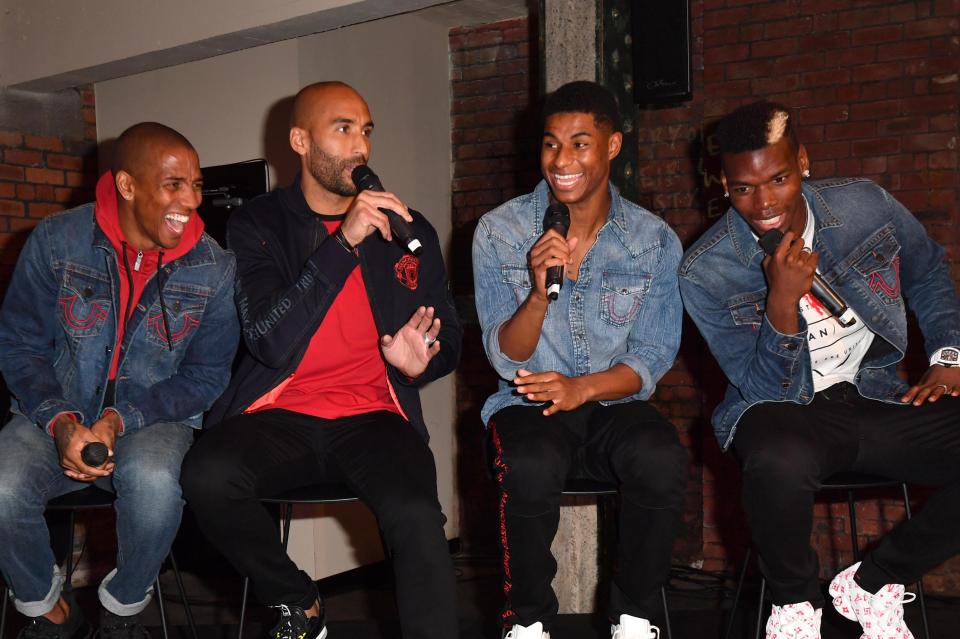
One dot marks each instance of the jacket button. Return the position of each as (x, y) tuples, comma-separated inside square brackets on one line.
[(99, 389), (790, 346), (87, 292)]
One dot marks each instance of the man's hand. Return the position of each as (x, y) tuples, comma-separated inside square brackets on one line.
[(408, 350), (789, 272), (364, 216), (71, 436), (552, 249), (935, 383), (566, 393), (106, 429)]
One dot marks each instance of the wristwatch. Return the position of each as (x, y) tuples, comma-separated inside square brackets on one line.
[(948, 356)]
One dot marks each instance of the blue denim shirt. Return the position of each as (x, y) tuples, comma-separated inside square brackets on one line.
[(624, 307), (58, 329), (873, 252)]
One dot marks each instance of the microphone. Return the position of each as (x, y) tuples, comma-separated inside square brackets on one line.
[(94, 454), (556, 217), (820, 289), (366, 180)]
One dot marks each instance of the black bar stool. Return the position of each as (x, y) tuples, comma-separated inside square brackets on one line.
[(604, 491), (848, 482), (325, 493), (97, 498)]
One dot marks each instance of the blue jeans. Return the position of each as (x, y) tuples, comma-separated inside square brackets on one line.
[(146, 480)]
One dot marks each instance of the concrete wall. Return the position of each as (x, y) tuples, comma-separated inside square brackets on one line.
[(234, 107)]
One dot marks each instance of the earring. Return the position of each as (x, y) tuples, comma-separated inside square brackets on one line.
[(726, 194), (806, 173)]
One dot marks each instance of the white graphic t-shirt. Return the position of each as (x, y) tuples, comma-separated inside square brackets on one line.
[(835, 351)]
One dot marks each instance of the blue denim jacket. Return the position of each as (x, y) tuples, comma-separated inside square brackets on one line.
[(624, 307), (873, 252), (58, 329)]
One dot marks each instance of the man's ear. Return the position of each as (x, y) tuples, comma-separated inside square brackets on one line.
[(125, 184), (299, 140), (613, 144), (802, 159)]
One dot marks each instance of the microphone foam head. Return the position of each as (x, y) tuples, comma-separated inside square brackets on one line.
[(365, 179), (557, 216), (770, 241)]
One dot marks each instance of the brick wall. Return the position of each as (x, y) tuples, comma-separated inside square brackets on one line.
[(876, 94), (40, 173), (495, 145)]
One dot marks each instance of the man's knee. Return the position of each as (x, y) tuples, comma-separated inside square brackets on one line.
[(208, 474), (532, 473), (779, 464), (655, 466)]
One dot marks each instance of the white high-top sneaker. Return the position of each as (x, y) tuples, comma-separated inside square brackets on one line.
[(794, 621), (533, 631), (880, 614), (633, 628)]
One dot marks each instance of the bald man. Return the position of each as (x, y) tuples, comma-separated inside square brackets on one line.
[(118, 329), (342, 327)]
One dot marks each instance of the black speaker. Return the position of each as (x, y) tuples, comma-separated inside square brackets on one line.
[(661, 51)]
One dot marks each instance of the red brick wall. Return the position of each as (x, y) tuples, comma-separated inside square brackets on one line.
[(40, 174), (495, 144), (875, 90)]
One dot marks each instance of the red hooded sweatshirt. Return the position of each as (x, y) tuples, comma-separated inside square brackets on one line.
[(142, 264)]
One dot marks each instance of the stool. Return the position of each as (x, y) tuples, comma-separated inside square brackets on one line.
[(603, 491), (91, 498), (325, 493), (848, 482)]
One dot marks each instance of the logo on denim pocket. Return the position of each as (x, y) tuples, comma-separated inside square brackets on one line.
[(878, 284), (95, 313), (187, 325)]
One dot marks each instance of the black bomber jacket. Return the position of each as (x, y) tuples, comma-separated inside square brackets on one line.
[(289, 271)]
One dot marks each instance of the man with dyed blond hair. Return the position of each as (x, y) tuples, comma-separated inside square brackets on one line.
[(813, 392)]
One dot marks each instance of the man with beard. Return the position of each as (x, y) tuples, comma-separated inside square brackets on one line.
[(342, 327)]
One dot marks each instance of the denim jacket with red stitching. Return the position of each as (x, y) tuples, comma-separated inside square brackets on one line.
[(874, 254), (58, 329)]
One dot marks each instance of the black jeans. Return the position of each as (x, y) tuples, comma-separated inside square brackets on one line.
[(630, 444), (378, 455), (786, 450)]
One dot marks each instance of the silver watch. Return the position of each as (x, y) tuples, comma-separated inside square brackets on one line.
[(948, 356)]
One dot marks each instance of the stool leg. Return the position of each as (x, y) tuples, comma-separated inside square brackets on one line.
[(287, 517), (920, 593), (68, 584), (163, 613), (3, 613), (666, 612), (763, 587), (736, 594), (243, 605), (854, 543), (183, 597)]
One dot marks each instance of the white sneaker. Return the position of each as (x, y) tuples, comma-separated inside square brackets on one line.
[(880, 614), (794, 621), (633, 628), (534, 631)]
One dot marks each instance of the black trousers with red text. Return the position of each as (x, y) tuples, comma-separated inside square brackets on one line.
[(786, 450), (630, 444)]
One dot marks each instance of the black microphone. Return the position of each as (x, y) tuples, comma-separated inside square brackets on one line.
[(556, 217), (820, 289), (94, 454), (366, 180)]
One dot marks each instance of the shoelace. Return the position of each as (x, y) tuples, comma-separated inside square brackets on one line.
[(654, 633), (892, 617)]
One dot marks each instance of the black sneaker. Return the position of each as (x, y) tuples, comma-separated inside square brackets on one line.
[(118, 627), (294, 624), (74, 627)]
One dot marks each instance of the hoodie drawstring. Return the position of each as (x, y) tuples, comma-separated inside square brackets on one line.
[(163, 306)]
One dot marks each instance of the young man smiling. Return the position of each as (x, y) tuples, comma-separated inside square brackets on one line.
[(808, 396), (576, 371), (118, 328)]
